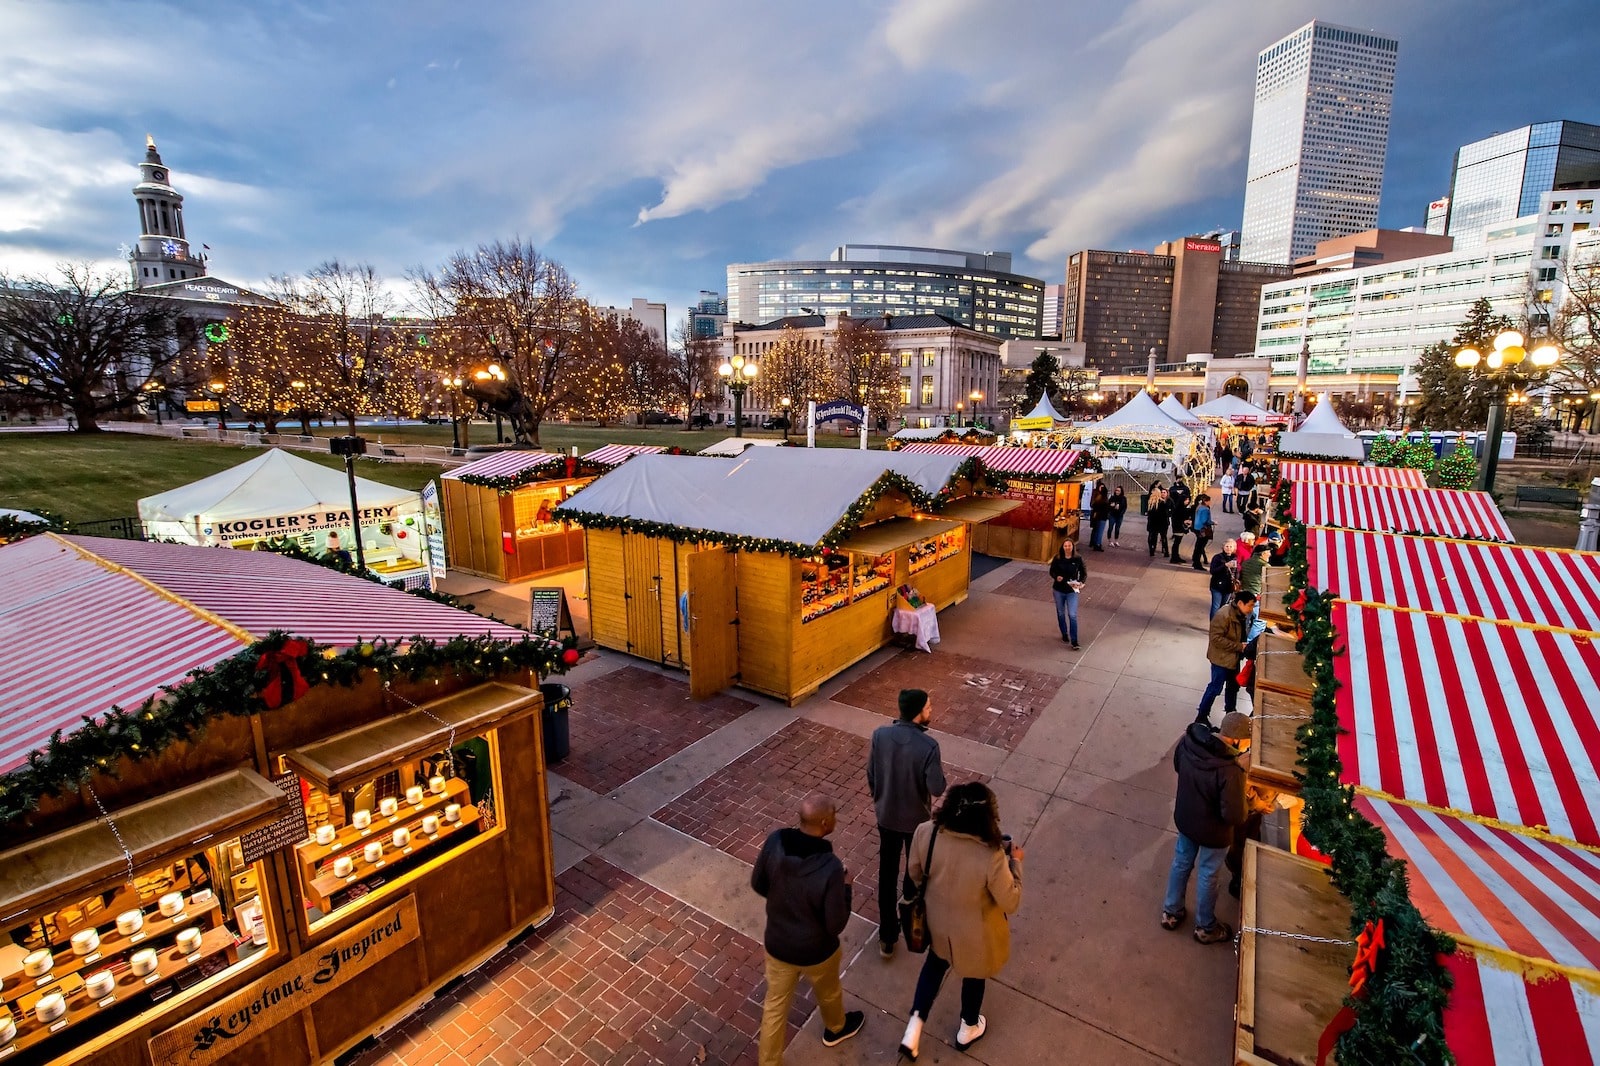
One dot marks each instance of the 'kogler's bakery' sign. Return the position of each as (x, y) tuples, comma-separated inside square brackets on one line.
[(284, 524), (286, 991)]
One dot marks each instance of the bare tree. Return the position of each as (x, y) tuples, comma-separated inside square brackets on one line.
[(863, 370), (345, 336), (1575, 325), (694, 370), (795, 367), (82, 341), (514, 308)]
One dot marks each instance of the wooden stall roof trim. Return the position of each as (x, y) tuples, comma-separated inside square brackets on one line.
[(979, 508), (896, 533), (357, 755), (45, 870), (502, 464)]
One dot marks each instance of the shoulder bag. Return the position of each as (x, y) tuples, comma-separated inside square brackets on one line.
[(914, 908)]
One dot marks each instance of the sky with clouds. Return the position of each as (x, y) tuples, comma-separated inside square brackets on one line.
[(647, 145)]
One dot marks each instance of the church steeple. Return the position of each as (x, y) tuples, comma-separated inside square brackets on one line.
[(163, 251)]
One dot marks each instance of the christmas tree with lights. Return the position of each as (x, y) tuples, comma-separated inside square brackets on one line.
[(1458, 469)]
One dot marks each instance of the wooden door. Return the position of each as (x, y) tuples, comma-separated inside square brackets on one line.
[(713, 624), (641, 567)]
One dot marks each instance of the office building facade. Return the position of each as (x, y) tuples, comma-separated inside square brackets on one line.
[(1502, 177), (979, 290), (1317, 140), (707, 315), (1370, 248), (649, 314), (1183, 300)]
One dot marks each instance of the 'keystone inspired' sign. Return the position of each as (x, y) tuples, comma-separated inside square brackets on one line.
[(251, 1011)]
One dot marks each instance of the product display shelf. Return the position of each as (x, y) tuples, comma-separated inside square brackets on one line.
[(170, 963), (112, 944), (322, 888), (311, 855)]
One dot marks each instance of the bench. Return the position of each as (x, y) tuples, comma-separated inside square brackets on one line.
[(1548, 494)]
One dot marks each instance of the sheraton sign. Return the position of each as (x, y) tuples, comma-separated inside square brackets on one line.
[(262, 1004)]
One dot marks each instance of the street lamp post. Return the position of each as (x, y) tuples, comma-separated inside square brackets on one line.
[(496, 374), (299, 388), (738, 373), (785, 402), (959, 407), (219, 389), (153, 390), (976, 397), (1499, 366)]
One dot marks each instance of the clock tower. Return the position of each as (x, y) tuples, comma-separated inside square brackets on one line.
[(163, 252)]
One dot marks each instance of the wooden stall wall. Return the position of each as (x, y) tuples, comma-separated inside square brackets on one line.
[(473, 523), (944, 583), (769, 615), (608, 606), (826, 645)]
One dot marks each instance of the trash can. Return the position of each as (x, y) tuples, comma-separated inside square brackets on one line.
[(557, 732)]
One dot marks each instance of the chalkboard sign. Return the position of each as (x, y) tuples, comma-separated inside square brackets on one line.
[(548, 615), (290, 829)]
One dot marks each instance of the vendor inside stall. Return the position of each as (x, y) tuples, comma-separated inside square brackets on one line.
[(500, 516)]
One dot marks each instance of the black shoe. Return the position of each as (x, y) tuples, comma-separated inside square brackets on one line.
[(1233, 888), (1065, 639), (1075, 646), (886, 950), (853, 1021)]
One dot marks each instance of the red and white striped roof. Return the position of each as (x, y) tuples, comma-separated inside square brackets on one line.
[(617, 454), (1346, 474), (1498, 1017), (503, 464), (1441, 512), (1545, 586), (1016, 461), (1503, 890), (87, 622), (1491, 718)]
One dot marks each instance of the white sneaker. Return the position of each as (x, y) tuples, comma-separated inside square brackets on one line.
[(910, 1043), (968, 1035)]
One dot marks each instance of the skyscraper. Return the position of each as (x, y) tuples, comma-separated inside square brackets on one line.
[(1317, 140), (1501, 177)]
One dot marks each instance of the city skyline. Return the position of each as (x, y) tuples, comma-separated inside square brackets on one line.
[(612, 140)]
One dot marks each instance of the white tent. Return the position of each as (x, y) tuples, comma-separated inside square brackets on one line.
[(1229, 408), (1322, 435), (1181, 414), (278, 494), (1045, 409), (1141, 412), (1129, 437), (738, 445)]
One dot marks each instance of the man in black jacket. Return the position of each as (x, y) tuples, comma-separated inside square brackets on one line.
[(1211, 802), (1179, 515), (904, 773), (1157, 514), (808, 904)]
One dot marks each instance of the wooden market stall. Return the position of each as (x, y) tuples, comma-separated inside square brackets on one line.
[(1399, 477), (499, 519), (324, 855), (1046, 484), (1438, 512), (1280, 668), (776, 570)]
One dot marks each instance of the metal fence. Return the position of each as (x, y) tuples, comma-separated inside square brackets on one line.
[(128, 528)]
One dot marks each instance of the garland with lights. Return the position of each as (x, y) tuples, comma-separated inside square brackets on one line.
[(550, 470), (248, 683)]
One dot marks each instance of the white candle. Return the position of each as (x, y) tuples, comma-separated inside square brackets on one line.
[(8, 1030), (189, 941), (452, 812), (172, 903), (436, 785), (430, 824), (362, 819), (414, 795), (143, 962), (85, 942), (325, 834), (51, 1006), (130, 922), (373, 851), (343, 866), (387, 806), (100, 984), (38, 963)]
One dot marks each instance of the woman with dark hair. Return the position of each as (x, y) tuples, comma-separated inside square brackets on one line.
[(1099, 511), (1117, 506), (1067, 576), (971, 878)]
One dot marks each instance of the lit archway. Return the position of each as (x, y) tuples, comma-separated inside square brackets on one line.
[(1237, 387)]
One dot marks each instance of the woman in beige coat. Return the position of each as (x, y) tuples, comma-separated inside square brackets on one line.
[(974, 879)]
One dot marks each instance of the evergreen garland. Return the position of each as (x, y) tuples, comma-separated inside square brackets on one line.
[(1458, 469), (232, 688), (555, 469)]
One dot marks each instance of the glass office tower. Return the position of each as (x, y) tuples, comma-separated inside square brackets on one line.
[(1502, 177)]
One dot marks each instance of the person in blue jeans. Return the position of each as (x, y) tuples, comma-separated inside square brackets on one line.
[(1224, 650), (1210, 803), (1116, 507), (1099, 512), (1067, 575)]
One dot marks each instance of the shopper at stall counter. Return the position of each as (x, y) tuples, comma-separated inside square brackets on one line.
[(971, 882), (808, 906), (904, 773), (1210, 803), (1224, 649), (1224, 575)]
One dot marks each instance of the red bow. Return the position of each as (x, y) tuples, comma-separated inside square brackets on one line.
[(275, 664), (1368, 943), (572, 466), (1300, 601)]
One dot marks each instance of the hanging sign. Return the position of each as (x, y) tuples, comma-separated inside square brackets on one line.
[(201, 405), (290, 829), (1031, 424), (841, 411), (225, 1026)]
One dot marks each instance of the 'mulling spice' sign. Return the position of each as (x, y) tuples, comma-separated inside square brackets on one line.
[(251, 1011)]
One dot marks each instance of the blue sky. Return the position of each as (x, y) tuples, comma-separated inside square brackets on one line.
[(646, 145)]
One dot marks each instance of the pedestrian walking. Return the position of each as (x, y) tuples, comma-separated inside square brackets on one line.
[(1245, 487), (971, 877), (1224, 575), (1226, 483), (1224, 648), (1156, 518), (1180, 515), (808, 906), (1099, 513), (1116, 507), (1210, 803), (1204, 530), (904, 773), (1067, 576)]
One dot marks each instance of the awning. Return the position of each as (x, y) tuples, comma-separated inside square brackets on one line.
[(359, 754), (979, 508), (508, 463), (1495, 719), (1050, 464), (896, 533), (46, 870), (1440, 512), (1499, 1017), (1352, 474), (1545, 586), (617, 454)]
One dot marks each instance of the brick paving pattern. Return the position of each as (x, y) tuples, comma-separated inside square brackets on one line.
[(627, 721), (734, 809), (1105, 591), (992, 703), (623, 975)]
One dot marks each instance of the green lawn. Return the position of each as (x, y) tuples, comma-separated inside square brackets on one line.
[(103, 475)]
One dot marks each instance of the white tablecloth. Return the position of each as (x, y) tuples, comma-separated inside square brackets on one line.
[(923, 622)]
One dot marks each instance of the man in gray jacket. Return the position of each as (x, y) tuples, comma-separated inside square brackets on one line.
[(904, 774)]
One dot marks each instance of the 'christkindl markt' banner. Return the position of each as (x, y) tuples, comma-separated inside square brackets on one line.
[(225, 1026), (285, 524)]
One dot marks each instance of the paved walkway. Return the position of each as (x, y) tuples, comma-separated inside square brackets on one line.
[(654, 954)]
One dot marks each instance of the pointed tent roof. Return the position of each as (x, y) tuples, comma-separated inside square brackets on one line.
[(1045, 409), (273, 483), (1180, 414), (1323, 435), (1143, 412), (1235, 409), (1323, 420)]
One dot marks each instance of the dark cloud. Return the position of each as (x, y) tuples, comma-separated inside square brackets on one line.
[(648, 146)]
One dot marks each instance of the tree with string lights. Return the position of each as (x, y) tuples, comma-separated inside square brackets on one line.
[(693, 378), (795, 367), (864, 371)]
